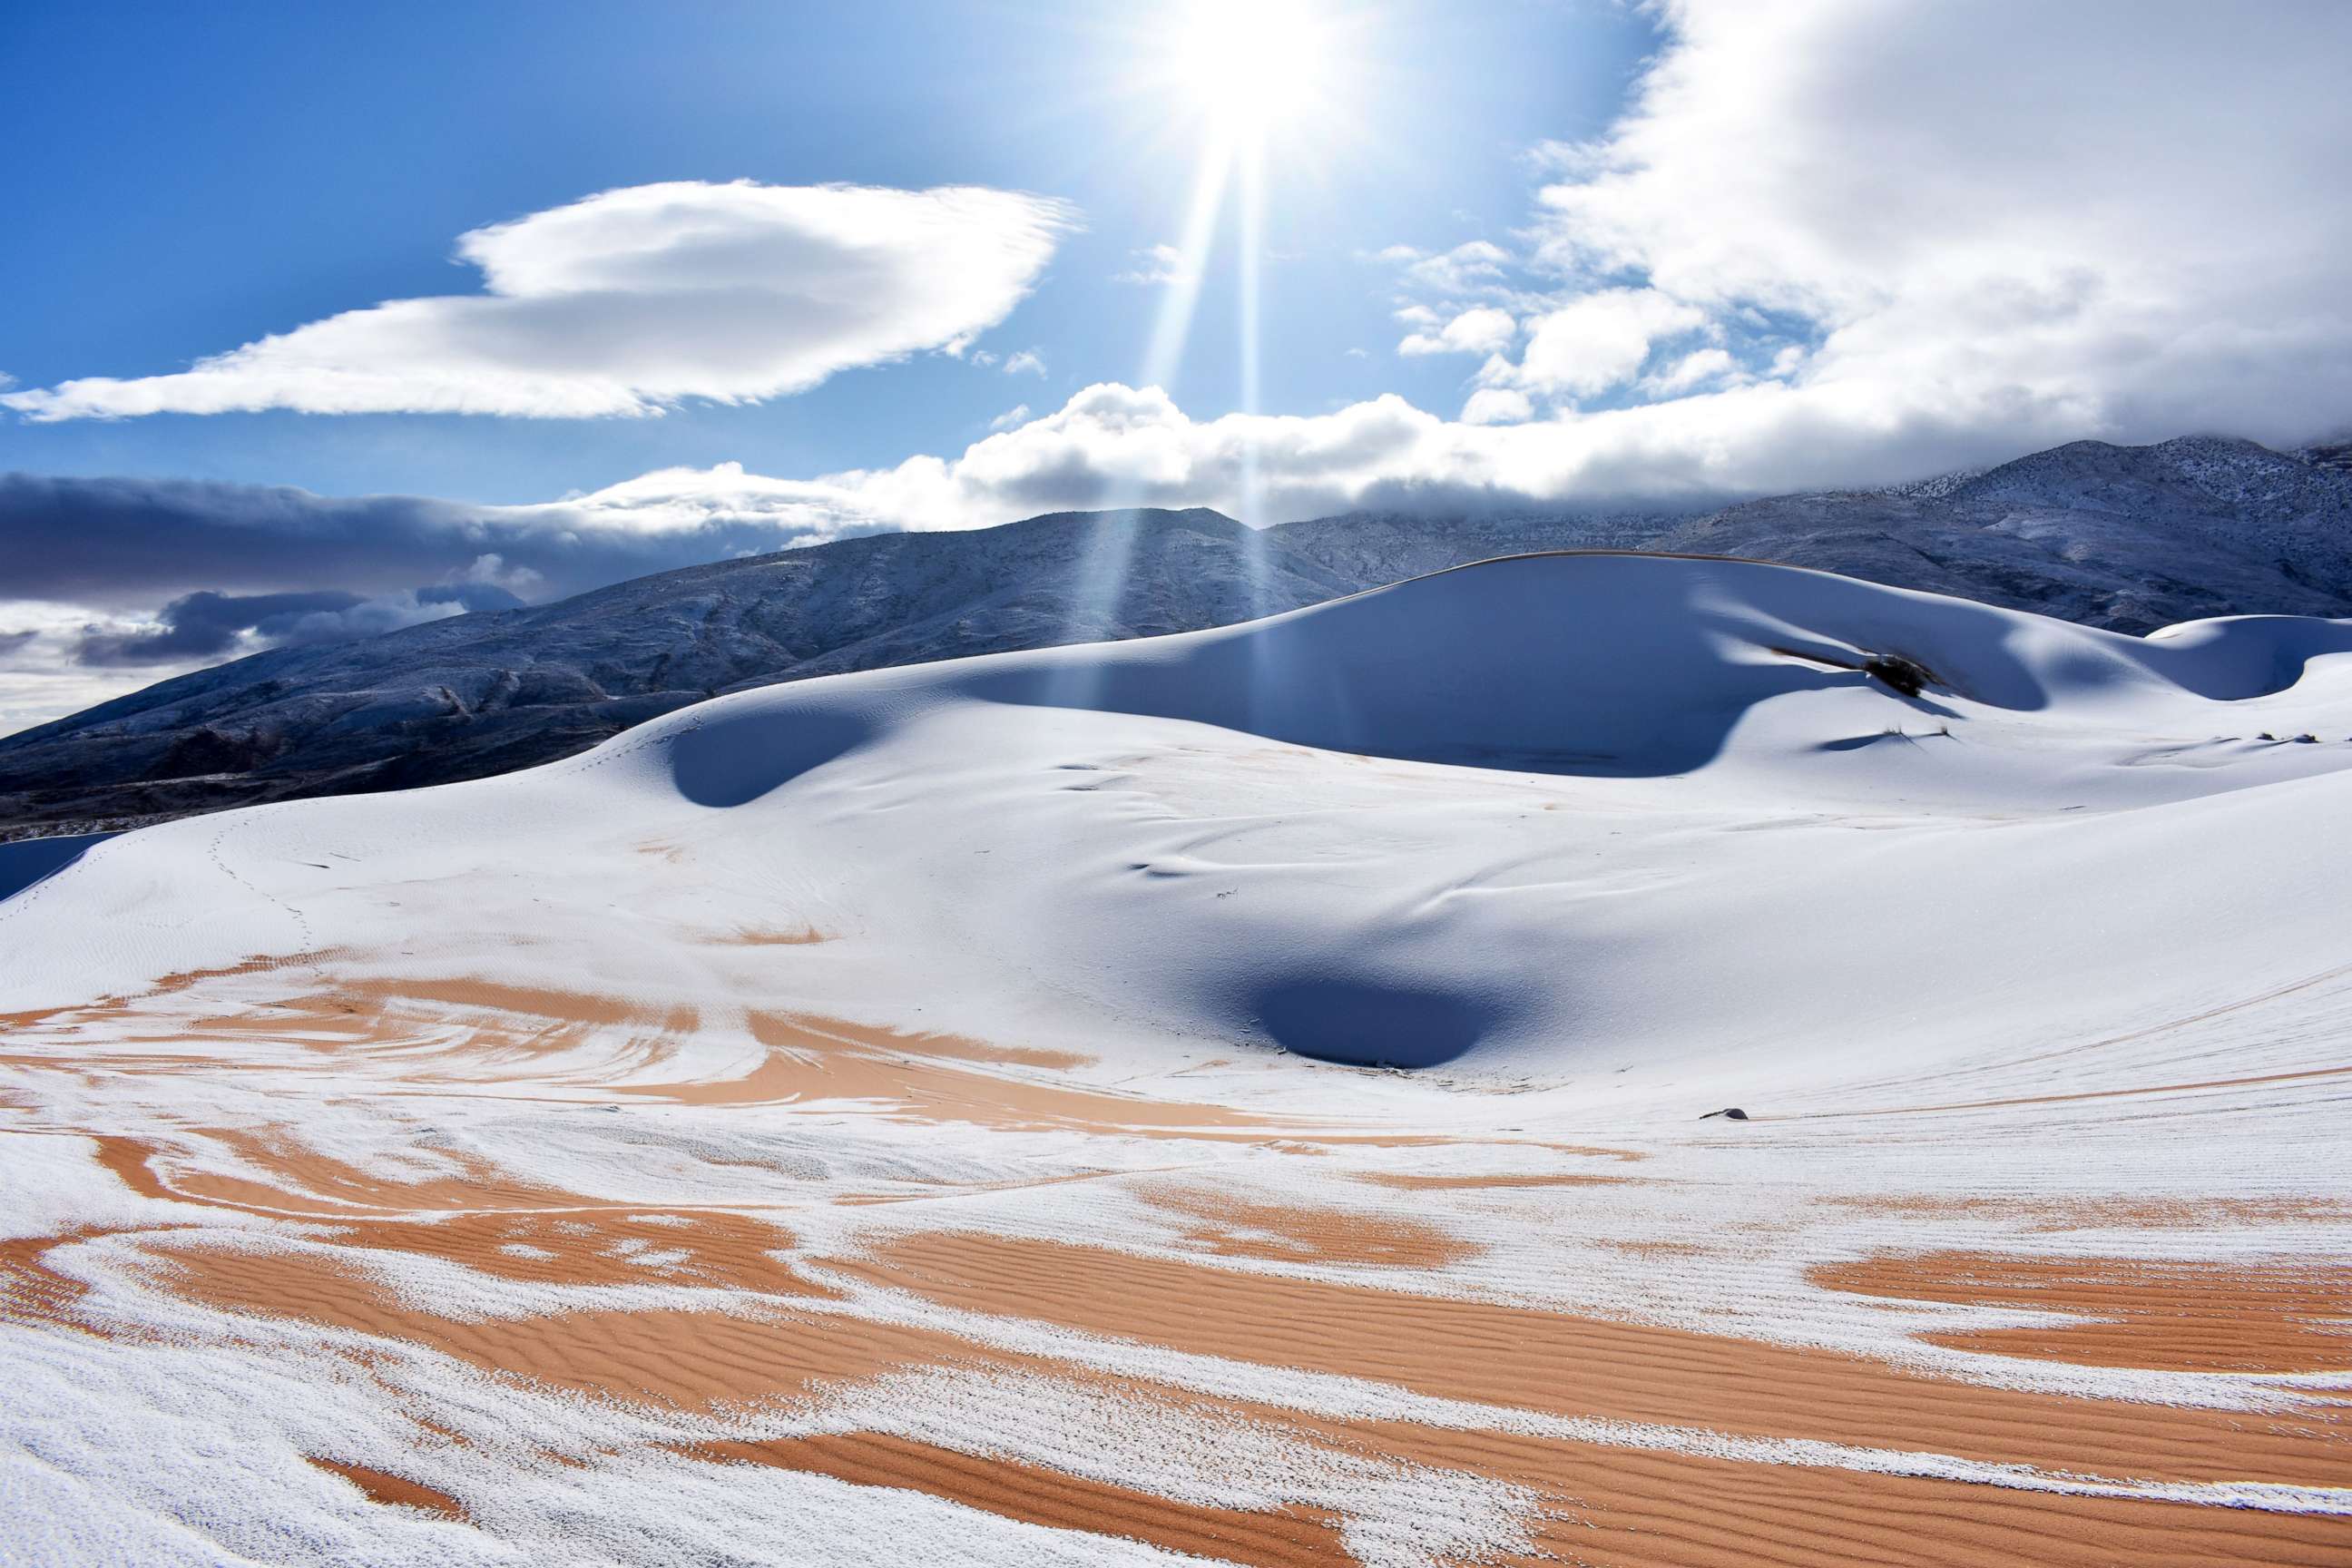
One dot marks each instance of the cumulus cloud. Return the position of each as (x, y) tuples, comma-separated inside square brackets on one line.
[(1838, 242), (1482, 329), (1025, 362), (634, 300), (2132, 229), (1701, 367), (1596, 341), (1113, 445), (1497, 405), (1016, 415)]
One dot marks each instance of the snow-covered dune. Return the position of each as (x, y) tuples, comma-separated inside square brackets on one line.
[(1006, 981), (1586, 874)]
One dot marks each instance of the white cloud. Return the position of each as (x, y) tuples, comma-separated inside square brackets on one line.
[(693, 502), (631, 301), (1482, 329), (1474, 266), (39, 678), (1016, 415), (1025, 362), (491, 570), (1156, 263), (1701, 367), (1598, 340), (1112, 445), (2132, 229), (1497, 405)]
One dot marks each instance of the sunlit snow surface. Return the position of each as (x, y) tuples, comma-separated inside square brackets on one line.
[(936, 1115)]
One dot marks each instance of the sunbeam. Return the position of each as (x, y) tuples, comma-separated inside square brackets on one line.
[(1243, 77)]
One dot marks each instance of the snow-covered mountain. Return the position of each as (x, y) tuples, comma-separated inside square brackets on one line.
[(2125, 539), (2128, 538)]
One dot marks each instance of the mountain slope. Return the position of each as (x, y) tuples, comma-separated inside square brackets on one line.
[(2123, 538), (483, 694), (2129, 537)]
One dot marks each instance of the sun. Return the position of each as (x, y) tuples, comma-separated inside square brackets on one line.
[(1249, 68)]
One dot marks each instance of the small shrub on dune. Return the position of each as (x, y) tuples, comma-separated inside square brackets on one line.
[(1906, 675)]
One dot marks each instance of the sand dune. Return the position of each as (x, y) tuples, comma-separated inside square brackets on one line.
[(1237, 1096)]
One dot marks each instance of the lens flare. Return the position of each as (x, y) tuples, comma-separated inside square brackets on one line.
[(1247, 84), (1249, 67)]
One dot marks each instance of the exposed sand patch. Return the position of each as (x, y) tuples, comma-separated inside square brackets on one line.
[(1238, 1227), (476, 994), (294, 1180), (798, 1030), (1602, 1505), (1039, 1495), (806, 936), (167, 985), (30, 1290), (814, 1058), (586, 1247), (1622, 1508), (776, 1341), (383, 1486), (668, 1356), (2171, 1316), (1576, 1367)]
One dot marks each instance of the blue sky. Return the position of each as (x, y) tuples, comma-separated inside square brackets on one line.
[(324, 319), (201, 176)]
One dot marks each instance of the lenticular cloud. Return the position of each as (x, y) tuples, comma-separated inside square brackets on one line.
[(630, 300)]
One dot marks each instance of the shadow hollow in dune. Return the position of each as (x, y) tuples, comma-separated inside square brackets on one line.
[(733, 756), (1372, 1022)]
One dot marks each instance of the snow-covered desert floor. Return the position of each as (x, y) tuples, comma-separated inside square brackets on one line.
[(1237, 1096)]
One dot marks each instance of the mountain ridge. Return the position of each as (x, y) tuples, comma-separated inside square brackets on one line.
[(2123, 538)]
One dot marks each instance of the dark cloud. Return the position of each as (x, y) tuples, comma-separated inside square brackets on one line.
[(205, 625), (240, 568), (127, 544)]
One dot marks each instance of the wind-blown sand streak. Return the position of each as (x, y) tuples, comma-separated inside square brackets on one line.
[(1501, 1355), (2182, 1317)]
